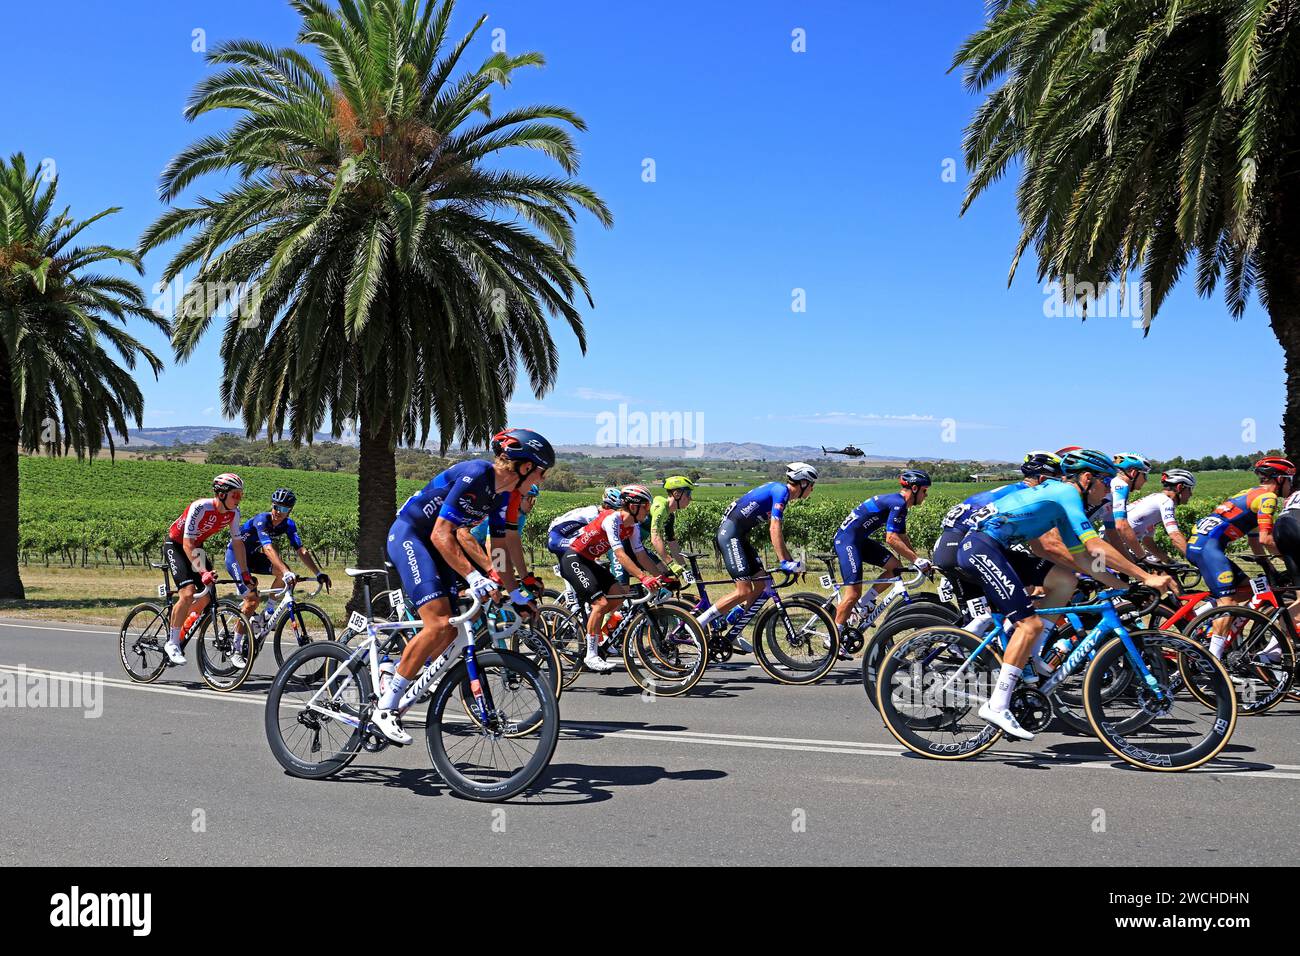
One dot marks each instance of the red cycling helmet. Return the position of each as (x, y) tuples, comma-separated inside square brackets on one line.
[(1273, 467)]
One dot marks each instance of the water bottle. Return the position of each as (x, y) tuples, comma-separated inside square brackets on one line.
[(386, 671), (735, 613), (1060, 650)]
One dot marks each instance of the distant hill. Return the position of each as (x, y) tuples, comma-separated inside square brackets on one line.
[(193, 435)]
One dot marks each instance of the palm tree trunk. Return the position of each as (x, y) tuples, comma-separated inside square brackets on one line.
[(376, 496), (11, 583), (1283, 283)]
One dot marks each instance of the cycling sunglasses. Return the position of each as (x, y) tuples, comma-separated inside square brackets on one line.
[(282, 509)]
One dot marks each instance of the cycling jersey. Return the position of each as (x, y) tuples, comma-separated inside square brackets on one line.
[(888, 510), (464, 494), (1292, 502), (1030, 513), (258, 531), (201, 520), (512, 516), (565, 528), (755, 506), (1242, 514), (1154, 509), (663, 519), (608, 531), (958, 516)]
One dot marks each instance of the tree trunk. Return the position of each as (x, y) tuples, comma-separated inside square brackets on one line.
[(11, 583), (376, 496), (1282, 276)]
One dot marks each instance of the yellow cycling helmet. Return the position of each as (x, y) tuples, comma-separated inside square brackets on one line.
[(677, 481)]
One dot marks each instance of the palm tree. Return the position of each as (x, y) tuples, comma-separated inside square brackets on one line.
[(59, 387), (1151, 133), (376, 264)]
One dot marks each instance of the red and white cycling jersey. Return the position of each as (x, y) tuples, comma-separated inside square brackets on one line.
[(201, 520), (608, 531)]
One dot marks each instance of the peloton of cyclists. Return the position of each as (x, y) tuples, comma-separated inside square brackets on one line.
[(1144, 515), (663, 521)]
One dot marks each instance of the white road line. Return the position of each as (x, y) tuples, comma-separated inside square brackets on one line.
[(570, 728), (108, 629)]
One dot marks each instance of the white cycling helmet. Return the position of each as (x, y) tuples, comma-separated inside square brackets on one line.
[(227, 482), (1178, 476), (800, 471)]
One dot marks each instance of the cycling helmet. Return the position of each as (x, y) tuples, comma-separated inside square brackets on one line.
[(1041, 464), (1067, 449), (1273, 467), (520, 444), (1178, 476), (611, 499), (227, 482), (1088, 459), (1127, 459), (283, 496), (800, 471), (913, 477), (635, 494), (534, 491), (677, 481)]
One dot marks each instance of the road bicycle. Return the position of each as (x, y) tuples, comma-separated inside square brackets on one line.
[(795, 639), (481, 706), (933, 683), (219, 631), (293, 624)]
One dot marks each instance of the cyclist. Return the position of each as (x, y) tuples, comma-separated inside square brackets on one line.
[(590, 577), (986, 554), (1131, 475), (565, 528), (764, 503), (426, 547), (257, 534), (663, 520), (854, 547), (1177, 485), (189, 564), (1248, 513), (1037, 467)]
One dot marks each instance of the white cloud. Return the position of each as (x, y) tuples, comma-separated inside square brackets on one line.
[(536, 410), (594, 395)]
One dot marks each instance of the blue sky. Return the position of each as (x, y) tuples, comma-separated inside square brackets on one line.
[(775, 171)]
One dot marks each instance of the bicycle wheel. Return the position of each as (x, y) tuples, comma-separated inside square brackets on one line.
[(1114, 680), (568, 637), (221, 632), (140, 642), (486, 757), (885, 638), (537, 650), (664, 651), (930, 690), (315, 709), (307, 623), (1259, 657), (1181, 733), (796, 642)]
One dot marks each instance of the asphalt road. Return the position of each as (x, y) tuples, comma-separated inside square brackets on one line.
[(743, 771)]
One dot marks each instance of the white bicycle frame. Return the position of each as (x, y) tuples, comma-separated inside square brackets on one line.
[(899, 588), (370, 648)]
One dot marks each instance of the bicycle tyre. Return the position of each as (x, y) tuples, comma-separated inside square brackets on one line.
[(1276, 680), (216, 641), (144, 647), (665, 651), (886, 637), (777, 659), (307, 623), (332, 657)]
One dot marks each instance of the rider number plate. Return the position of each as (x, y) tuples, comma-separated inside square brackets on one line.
[(977, 606), (556, 569), (688, 577), (396, 599), (1259, 584), (162, 591), (357, 622), (827, 581), (945, 590)]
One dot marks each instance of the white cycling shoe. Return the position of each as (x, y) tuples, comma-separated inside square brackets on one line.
[(173, 653), (594, 662), (388, 724), (743, 646), (1006, 720)]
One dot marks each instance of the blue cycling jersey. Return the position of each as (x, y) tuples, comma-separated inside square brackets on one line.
[(464, 494), (481, 529), (959, 516), (1030, 513), (755, 506), (889, 510), (258, 531)]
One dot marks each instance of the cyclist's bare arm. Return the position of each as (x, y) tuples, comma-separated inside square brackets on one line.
[(641, 560), (309, 559), (1051, 547), (446, 539), (778, 540), (901, 544)]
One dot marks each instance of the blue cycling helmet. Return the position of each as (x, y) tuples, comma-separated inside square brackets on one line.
[(613, 498), (283, 496), (1088, 459), (914, 477), (534, 491), (521, 444), (1127, 459)]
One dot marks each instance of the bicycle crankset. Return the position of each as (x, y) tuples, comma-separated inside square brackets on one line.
[(851, 639), (373, 743), (1032, 708), (719, 648)]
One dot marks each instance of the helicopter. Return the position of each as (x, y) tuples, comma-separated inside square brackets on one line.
[(851, 450)]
